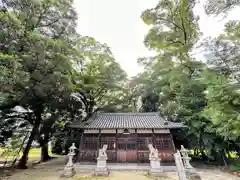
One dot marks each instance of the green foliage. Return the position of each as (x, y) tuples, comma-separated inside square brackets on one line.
[(223, 106), (223, 81), (222, 52), (40, 59), (235, 166), (15, 145), (217, 7), (204, 96), (174, 28)]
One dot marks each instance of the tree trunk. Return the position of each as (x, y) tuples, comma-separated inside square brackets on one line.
[(18, 153), (23, 161), (44, 153), (203, 155), (44, 150), (223, 156)]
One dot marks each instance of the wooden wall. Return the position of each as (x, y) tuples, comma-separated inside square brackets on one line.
[(126, 148)]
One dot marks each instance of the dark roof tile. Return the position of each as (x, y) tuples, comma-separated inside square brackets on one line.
[(127, 120)]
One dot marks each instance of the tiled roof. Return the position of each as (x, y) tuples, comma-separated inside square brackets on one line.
[(127, 120)]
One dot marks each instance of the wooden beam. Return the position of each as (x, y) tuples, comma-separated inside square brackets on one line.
[(120, 131), (161, 131), (108, 131), (91, 131), (144, 131)]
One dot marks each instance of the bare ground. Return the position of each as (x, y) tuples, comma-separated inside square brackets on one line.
[(52, 171)]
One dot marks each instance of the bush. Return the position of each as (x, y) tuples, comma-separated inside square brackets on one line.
[(235, 165)]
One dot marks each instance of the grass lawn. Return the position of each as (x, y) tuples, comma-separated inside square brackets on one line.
[(34, 154)]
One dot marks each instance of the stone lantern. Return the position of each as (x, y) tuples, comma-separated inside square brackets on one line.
[(69, 170)]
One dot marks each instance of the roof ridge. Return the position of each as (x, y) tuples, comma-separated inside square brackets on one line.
[(135, 120), (129, 113)]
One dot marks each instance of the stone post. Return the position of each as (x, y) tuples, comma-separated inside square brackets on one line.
[(69, 170), (186, 158), (180, 167), (189, 170)]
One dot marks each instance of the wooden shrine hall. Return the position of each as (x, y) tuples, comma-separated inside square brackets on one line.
[(127, 136)]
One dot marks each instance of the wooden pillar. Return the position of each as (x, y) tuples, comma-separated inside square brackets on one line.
[(153, 139), (72, 131), (137, 145), (81, 140), (81, 145), (173, 145), (98, 143), (116, 145), (99, 140)]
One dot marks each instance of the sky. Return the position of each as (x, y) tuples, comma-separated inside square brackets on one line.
[(118, 24)]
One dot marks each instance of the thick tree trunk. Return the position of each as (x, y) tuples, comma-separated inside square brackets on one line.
[(15, 159), (44, 153), (23, 161), (44, 150)]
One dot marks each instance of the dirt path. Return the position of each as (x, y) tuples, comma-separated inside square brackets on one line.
[(52, 170), (53, 174)]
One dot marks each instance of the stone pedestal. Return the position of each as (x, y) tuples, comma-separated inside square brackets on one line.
[(155, 167), (101, 172), (101, 169), (68, 172), (101, 162), (191, 174)]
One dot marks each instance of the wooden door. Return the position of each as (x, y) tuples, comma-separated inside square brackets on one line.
[(126, 149), (121, 150), (131, 149)]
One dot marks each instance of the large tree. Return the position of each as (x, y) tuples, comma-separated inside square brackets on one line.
[(173, 34), (174, 74), (223, 81), (222, 53), (37, 34), (100, 76)]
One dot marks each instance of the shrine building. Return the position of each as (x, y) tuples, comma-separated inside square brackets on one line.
[(127, 136)]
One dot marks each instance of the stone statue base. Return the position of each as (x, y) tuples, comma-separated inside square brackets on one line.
[(68, 172), (101, 171), (155, 167), (101, 162), (192, 174), (156, 172)]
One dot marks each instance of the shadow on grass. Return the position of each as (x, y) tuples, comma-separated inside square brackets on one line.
[(9, 170)]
